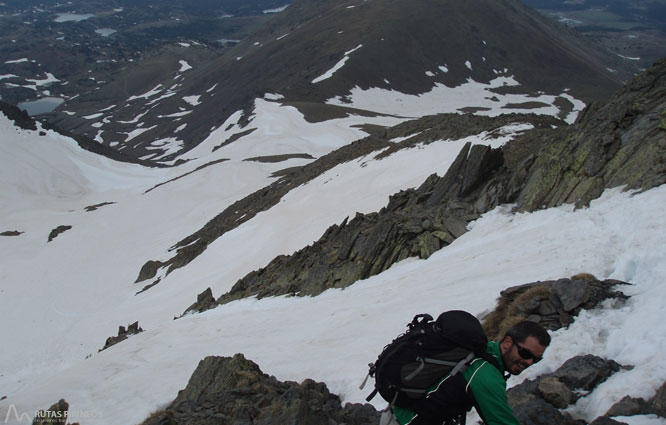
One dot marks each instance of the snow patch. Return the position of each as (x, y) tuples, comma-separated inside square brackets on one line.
[(184, 66), (328, 74), (192, 100)]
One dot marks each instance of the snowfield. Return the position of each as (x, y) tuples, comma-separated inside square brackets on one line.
[(474, 95), (60, 300)]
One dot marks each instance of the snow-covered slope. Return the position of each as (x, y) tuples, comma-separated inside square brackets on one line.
[(60, 300)]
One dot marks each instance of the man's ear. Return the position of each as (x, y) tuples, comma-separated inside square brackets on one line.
[(505, 344)]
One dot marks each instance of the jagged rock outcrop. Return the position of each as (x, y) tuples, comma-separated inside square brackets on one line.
[(57, 231), (205, 301), (553, 304), (234, 390), (619, 142), (123, 334), (414, 223), (537, 402)]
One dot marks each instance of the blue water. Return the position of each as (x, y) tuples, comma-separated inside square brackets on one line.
[(40, 106)]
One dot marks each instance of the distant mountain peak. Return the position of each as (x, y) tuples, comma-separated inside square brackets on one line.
[(319, 50)]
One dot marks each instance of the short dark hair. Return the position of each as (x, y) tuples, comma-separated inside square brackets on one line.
[(521, 330)]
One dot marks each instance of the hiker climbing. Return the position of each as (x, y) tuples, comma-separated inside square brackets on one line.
[(434, 373)]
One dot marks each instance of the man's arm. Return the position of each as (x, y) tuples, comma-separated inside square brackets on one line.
[(488, 388)]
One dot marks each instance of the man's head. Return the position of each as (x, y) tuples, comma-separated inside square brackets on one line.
[(523, 345)]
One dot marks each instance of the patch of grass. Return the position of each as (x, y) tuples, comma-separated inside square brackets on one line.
[(583, 276), (507, 314)]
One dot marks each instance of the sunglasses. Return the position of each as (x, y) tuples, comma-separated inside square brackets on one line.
[(527, 354)]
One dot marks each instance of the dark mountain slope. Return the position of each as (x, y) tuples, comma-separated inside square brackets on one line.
[(390, 44), (403, 40)]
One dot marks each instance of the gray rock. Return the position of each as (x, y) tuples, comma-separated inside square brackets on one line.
[(555, 392), (523, 393), (539, 412), (546, 308), (629, 406), (572, 293), (585, 372)]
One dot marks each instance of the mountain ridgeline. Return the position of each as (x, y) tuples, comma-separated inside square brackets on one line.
[(397, 45)]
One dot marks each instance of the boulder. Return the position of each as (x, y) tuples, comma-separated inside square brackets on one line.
[(234, 390), (629, 406), (539, 412), (585, 372), (571, 293), (555, 392)]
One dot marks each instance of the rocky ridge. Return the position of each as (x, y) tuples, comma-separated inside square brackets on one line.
[(234, 390), (439, 127), (619, 143)]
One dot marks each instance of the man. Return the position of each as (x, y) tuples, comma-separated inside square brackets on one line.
[(482, 384)]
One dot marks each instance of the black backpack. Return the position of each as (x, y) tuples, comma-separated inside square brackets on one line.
[(416, 360)]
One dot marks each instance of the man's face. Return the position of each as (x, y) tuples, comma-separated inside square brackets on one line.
[(513, 361)]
